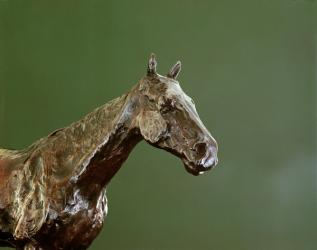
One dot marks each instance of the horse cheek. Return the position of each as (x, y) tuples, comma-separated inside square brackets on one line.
[(152, 125)]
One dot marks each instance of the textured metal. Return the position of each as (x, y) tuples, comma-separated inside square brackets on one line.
[(53, 193)]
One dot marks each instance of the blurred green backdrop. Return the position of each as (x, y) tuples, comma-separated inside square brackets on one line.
[(250, 66)]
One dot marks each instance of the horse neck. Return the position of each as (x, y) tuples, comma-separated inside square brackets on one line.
[(89, 152)]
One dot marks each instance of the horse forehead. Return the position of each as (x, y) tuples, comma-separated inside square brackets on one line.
[(174, 90)]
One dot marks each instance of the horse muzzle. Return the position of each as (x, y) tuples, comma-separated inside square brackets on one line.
[(207, 159)]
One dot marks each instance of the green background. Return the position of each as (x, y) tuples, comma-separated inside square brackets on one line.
[(250, 66)]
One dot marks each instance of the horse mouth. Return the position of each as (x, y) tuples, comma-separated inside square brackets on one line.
[(190, 169), (200, 167)]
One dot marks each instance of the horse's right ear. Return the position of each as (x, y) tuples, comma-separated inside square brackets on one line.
[(151, 68), (175, 70)]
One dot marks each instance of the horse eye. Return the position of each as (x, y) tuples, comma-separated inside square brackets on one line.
[(168, 106), (165, 109), (171, 102)]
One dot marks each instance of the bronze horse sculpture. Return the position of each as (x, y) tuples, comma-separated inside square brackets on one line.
[(53, 193)]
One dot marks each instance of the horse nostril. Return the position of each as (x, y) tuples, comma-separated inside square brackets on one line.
[(200, 148), (206, 155)]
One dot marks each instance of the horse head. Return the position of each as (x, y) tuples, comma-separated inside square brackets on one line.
[(168, 120)]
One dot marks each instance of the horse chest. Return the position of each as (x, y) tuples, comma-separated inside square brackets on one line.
[(76, 227)]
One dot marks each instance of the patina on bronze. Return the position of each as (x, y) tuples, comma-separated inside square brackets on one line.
[(53, 193)]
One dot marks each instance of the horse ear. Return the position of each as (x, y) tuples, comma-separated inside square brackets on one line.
[(175, 70), (151, 68), (152, 125)]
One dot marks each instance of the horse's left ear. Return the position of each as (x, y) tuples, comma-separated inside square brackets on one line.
[(151, 68), (175, 70), (152, 125)]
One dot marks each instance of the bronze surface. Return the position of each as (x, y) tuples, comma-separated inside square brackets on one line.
[(53, 193)]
